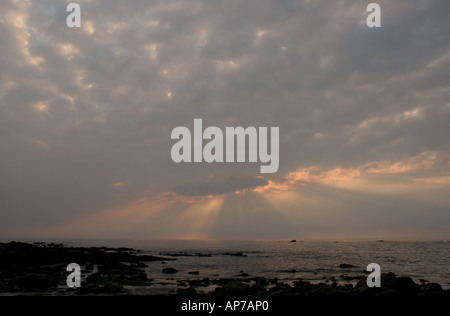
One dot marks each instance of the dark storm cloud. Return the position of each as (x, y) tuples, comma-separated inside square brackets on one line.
[(84, 110)]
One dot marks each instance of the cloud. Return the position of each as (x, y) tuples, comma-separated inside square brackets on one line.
[(218, 187), (86, 114)]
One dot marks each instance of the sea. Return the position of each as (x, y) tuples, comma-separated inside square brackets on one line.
[(286, 261)]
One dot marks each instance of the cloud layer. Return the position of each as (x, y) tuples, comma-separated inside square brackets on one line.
[(86, 114)]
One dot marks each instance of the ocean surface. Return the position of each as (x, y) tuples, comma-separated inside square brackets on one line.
[(312, 261)]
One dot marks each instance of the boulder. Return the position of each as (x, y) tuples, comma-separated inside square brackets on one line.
[(431, 287), (403, 285), (387, 277)]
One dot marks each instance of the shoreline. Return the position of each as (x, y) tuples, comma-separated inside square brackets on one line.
[(40, 269)]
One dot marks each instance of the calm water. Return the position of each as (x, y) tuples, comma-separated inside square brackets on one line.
[(311, 260)]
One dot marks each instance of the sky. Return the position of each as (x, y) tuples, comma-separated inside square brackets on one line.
[(86, 116)]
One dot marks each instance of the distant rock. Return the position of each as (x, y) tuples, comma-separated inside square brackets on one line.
[(194, 272), (243, 274), (169, 270), (346, 266), (236, 254), (293, 240)]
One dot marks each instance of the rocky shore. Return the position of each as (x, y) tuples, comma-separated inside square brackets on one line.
[(40, 269)]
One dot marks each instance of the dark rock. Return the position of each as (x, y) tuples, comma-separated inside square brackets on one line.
[(34, 281), (196, 283), (387, 277), (194, 272), (293, 240), (258, 289), (169, 270), (190, 291), (89, 267), (261, 281), (139, 265), (236, 254), (243, 274), (111, 266), (403, 284), (346, 266), (273, 281), (232, 288), (431, 287), (146, 258), (109, 288), (95, 277)]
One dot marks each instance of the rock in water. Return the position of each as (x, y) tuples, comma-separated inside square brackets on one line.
[(346, 266), (169, 270)]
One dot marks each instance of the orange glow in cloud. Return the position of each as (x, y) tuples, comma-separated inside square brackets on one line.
[(352, 177), (423, 161), (170, 215)]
